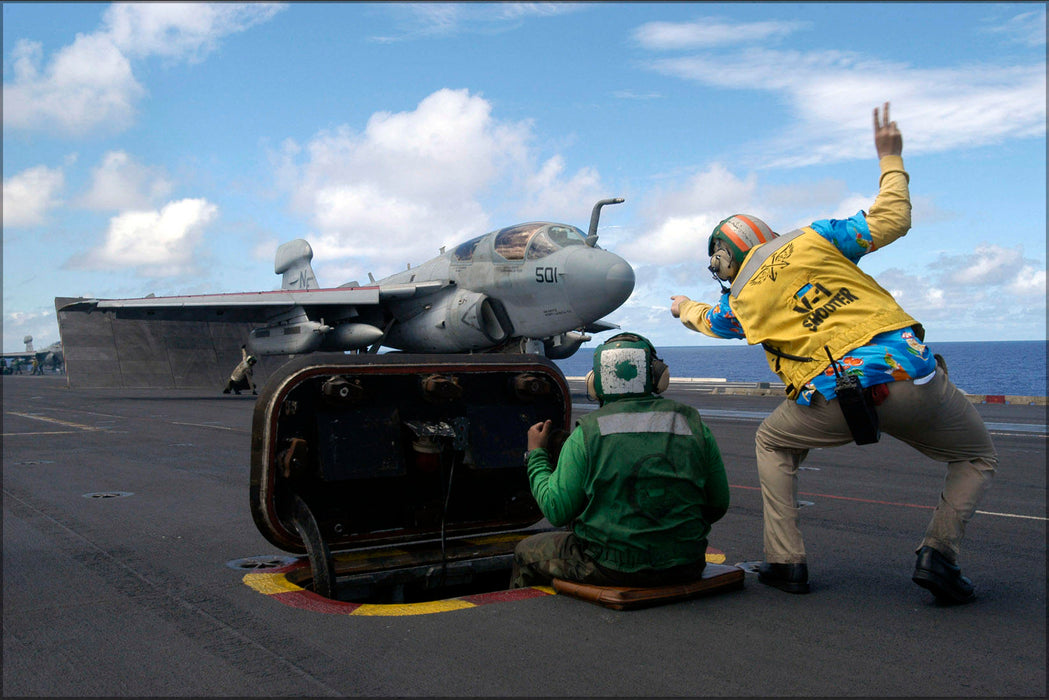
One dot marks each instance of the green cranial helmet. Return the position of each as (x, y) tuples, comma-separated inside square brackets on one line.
[(626, 365)]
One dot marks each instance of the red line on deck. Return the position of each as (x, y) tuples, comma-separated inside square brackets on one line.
[(843, 498)]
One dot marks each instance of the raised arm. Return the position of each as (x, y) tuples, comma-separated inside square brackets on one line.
[(889, 217)]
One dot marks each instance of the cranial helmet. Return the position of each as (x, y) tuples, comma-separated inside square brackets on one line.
[(626, 365), (740, 233)]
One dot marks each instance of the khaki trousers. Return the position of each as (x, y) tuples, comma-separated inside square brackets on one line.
[(935, 418)]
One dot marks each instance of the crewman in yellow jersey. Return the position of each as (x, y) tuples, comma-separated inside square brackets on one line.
[(854, 365)]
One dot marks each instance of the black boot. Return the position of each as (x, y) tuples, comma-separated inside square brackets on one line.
[(936, 573), (792, 578)]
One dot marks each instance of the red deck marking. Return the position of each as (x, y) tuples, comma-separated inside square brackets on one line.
[(307, 600), (275, 585), (844, 498), (507, 596)]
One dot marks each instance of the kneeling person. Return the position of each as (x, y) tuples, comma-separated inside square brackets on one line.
[(640, 481)]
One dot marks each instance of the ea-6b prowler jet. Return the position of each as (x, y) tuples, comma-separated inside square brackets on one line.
[(536, 287)]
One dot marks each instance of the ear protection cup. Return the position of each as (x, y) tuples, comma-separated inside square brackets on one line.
[(591, 386), (660, 373), (721, 264)]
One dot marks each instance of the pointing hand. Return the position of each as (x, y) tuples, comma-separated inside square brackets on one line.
[(675, 308)]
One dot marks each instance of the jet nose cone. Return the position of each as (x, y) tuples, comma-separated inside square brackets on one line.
[(619, 283), (598, 282)]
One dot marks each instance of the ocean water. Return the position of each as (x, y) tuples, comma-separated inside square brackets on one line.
[(1014, 367)]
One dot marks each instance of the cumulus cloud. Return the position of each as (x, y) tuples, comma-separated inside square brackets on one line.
[(87, 84), (551, 193), (30, 194), (90, 83), (156, 242), (958, 290), (676, 223), (120, 182), (413, 181)]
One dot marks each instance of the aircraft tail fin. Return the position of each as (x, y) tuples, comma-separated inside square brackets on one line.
[(293, 261)]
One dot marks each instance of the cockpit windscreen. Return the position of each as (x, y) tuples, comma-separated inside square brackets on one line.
[(538, 239)]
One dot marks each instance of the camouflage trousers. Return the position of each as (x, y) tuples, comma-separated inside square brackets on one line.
[(541, 558)]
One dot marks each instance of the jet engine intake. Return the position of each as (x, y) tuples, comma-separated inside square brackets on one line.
[(463, 320)]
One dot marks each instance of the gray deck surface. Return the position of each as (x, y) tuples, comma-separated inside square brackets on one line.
[(132, 595)]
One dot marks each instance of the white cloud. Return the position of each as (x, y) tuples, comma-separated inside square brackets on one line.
[(154, 242), (90, 84), (676, 224), (30, 194), (119, 182), (710, 32), (1028, 282), (550, 194), (87, 84), (832, 95), (987, 265), (446, 19), (1026, 28), (414, 181), (39, 323), (957, 291), (178, 30)]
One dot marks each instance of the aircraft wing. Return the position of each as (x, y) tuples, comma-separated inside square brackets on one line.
[(193, 340), (251, 306)]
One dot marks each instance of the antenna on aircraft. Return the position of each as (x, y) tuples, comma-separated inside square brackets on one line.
[(591, 235)]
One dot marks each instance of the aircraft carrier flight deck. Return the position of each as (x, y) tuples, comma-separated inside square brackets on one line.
[(132, 567)]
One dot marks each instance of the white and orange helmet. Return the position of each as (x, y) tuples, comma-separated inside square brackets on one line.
[(740, 233)]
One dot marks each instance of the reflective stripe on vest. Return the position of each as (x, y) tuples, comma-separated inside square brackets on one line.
[(663, 422)]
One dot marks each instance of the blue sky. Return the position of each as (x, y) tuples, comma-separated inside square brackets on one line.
[(169, 149)]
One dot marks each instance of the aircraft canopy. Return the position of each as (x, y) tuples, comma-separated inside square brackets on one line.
[(536, 240)]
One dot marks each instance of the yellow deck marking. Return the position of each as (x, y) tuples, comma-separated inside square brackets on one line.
[(400, 609), (271, 583), (81, 426)]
